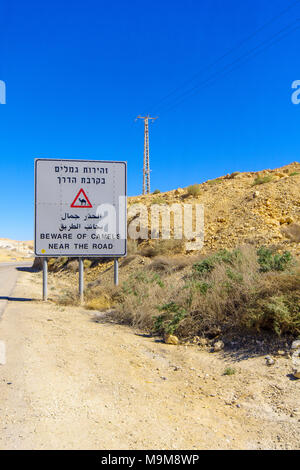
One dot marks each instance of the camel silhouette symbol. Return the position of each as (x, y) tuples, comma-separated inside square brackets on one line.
[(82, 201)]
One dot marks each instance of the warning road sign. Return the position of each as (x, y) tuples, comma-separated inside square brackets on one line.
[(80, 208), (82, 201)]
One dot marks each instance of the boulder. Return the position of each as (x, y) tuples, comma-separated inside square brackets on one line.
[(171, 339)]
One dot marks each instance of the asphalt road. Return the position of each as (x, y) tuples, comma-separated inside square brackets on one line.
[(8, 278)]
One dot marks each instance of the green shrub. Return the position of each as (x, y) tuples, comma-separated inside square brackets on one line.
[(198, 286), (270, 261), (208, 264), (280, 314), (204, 267), (229, 371), (227, 291), (170, 319), (157, 191), (158, 200), (194, 190), (295, 173), (262, 180)]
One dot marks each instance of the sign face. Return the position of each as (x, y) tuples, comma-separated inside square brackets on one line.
[(80, 208)]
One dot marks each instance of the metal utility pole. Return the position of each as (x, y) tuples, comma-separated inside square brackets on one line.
[(146, 167)]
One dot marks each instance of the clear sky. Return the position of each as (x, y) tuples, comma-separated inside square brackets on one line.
[(78, 73)]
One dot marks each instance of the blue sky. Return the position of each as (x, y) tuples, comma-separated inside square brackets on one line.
[(78, 73)]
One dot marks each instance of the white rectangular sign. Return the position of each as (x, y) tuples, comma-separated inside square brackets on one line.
[(80, 208)]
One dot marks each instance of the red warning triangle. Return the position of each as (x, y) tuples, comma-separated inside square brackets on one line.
[(81, 200)]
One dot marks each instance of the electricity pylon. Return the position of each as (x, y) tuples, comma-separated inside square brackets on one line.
[(146, 167)]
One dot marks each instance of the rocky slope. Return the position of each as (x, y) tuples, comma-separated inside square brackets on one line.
[(261, 208)]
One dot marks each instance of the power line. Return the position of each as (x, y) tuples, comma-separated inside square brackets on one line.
[(187, 94), (219, 59)]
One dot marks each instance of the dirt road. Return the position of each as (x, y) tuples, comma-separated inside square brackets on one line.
[(71, 383)]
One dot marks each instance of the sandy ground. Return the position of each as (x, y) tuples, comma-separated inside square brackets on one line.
[(71, 383)]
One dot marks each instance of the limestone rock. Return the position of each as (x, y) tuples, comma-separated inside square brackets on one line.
[(296, 344), (179, 191), (218, 346), (171, 339), (269, 361)]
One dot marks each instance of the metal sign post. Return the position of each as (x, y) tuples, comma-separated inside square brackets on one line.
[(81, 280), (80, 211), (45, 278), (116, 271)]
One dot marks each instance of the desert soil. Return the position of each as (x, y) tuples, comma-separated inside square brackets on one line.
[(71, 383)]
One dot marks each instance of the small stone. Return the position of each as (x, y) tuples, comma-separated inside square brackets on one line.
[(269, 361), (196, 339), (179, 191), (296, 373), (255, 194), (218, 346), (202, 342), (281, 353), (296, 360), (296, 344), (171, 339)]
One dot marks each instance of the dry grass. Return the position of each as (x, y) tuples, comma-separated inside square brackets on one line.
[(163, 247), (100, 302), (199, 296), (165, 264), (68, 297), (224, 292)]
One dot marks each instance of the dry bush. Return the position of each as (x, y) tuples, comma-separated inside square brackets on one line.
[(194, 190), (99, 297), (163, 247), (128, 260), (57, 264), (292, 232), (132, 247), (262, 180), (68, 297), (276, 306), (215, 299), (101, 302), (167, 265), (223, 292), (73, 265), (232, 175), (143, 292)]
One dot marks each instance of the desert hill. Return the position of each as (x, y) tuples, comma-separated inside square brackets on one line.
[(261, 208), (13, 250)]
